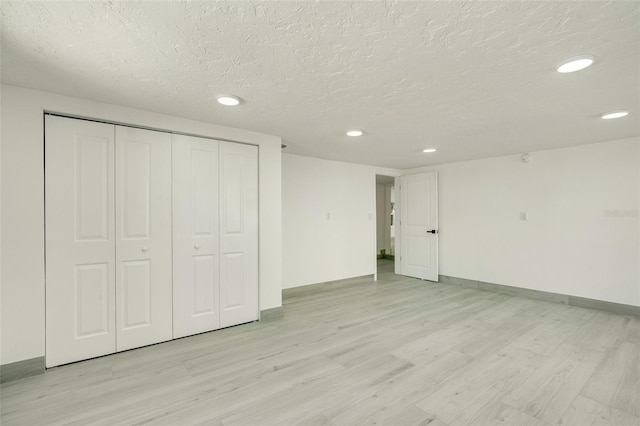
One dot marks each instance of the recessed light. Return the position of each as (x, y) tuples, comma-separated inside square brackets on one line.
[(228, 100), (355, 132), (428, 150), (576, 64), (615, 114)]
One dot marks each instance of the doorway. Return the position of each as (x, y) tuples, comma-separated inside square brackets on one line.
[(385, 224)]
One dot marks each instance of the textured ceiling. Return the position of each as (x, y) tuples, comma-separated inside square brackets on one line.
[(474, 79)]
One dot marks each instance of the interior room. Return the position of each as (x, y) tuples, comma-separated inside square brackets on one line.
[(320, 213)]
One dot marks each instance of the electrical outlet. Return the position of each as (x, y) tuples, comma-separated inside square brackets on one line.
[(524, 216)]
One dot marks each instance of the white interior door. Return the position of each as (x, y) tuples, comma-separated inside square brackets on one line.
[(238, 233), (196, 260), (419, 226), (143, 237), (80, 243)]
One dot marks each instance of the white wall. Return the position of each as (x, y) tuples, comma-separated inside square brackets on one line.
[(570, 244), (328, 220), (22, 220)]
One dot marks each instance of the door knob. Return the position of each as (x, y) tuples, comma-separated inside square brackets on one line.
[(433, 231), (196, 246), (145, 248)]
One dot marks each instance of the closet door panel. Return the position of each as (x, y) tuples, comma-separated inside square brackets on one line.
[(136, 294), (239, 233), (196, 260), (143, 237), (135, 185), (91, 295), (80, 240), (233, 280)]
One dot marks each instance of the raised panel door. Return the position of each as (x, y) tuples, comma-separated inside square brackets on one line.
[(196, 270), (238, 233), (80, 243), (419, 226), (143, 237)]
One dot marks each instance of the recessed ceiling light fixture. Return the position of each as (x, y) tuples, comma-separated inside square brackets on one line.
[(429, 150), (576, 64), (615, 114), (355, 132), (228, 100)]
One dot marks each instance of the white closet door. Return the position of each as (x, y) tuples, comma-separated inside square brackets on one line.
[(196, 261), (238, 233), (143, 237), (80, 247)]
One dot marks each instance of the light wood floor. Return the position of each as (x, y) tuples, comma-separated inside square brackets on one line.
[(398, 351)]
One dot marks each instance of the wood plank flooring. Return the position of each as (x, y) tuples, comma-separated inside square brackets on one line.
[(398, 351)]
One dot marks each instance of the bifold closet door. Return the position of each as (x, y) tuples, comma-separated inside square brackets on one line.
[(196, 261), (238, 233), (143, 237), (110, 283), (80, 240)]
